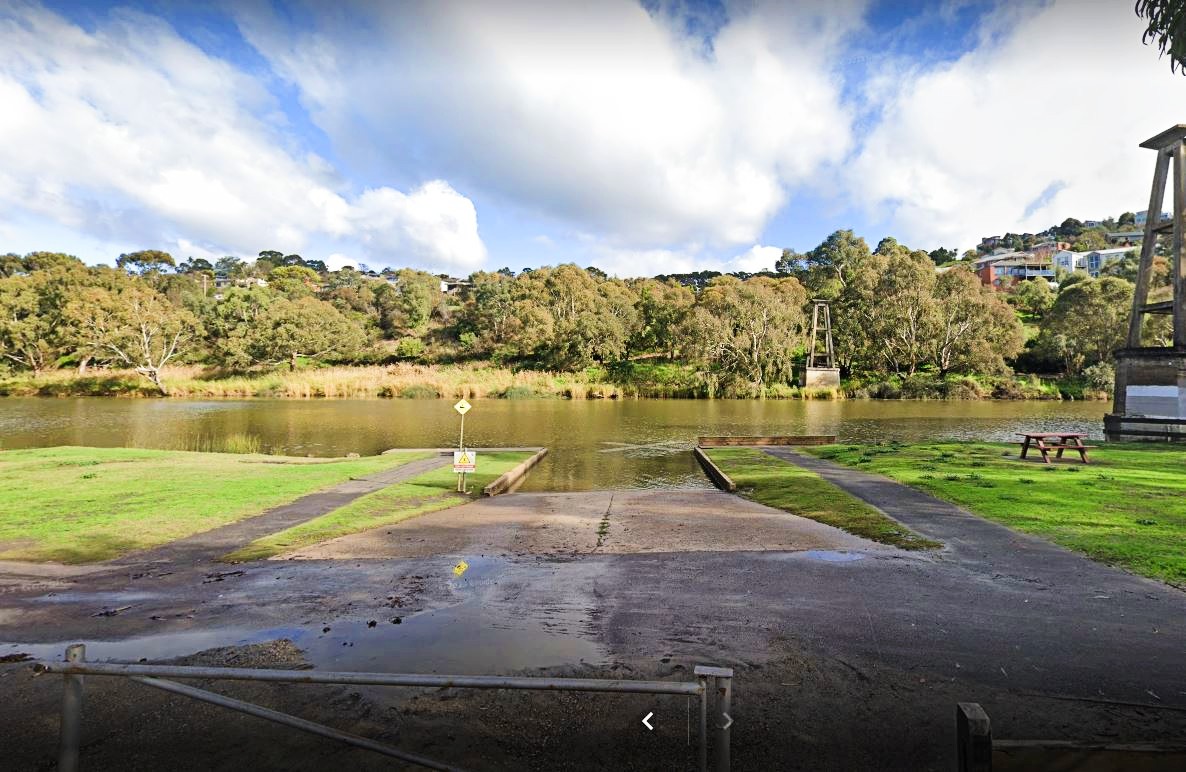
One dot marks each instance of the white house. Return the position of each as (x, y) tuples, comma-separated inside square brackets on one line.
[(1068, 261)]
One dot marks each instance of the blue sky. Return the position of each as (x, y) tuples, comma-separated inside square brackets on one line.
[(644, 139)]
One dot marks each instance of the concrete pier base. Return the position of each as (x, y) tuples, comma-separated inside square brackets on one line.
[(1150, 399), (820, 378)]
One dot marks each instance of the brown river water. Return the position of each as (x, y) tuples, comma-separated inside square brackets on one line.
[(593, 444)]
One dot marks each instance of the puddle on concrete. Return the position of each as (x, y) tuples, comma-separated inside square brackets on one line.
[(481, 633), (99, 599), (833, 556)]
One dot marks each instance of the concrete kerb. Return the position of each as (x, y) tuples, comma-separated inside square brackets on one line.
[(509, 480), (719, 478)]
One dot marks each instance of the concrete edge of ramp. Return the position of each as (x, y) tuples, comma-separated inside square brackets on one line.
[(510, 479), (714, 472)]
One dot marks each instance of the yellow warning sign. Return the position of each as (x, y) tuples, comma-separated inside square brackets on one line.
[(465, 461), (460, 568), (462, 406)]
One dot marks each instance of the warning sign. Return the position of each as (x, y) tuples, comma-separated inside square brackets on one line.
[(465, 461), (460, 568), (462, 406)]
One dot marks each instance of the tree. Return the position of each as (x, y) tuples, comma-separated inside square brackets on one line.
[(293, 281), (132, 326), (11, 264), (416, 295), (789, 261), (286, 330), (1088, 321), (34, 332), (1090, 240), (1128, 218), (230, 266), (196, 265), (1167, 27), (747, 332), (1070, 228), (145, 261), (832, 264), (974, 330), (942, 256), (1033, 297), (662, 308)]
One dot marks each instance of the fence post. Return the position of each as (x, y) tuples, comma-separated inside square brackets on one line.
[(68, 740), (724, 705), (703, 723), (973, 738)]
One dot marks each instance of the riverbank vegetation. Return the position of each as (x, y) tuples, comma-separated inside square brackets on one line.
[(286, 326), (1126, 508), (782, 485), (428, 492), (83, 505)]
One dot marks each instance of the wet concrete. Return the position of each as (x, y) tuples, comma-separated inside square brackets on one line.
[(847, 657), (596, 522)]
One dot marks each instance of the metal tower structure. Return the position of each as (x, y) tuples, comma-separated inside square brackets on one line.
[(1150, 398), (821, 370)]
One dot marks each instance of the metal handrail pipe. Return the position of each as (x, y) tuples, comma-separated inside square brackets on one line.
[(292, 721), (691, 689)]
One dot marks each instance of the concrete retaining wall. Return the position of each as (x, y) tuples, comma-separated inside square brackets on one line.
[(803, 439), (719, 478), (509, 480)]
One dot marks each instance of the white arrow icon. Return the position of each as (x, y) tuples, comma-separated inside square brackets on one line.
[(647, 721)]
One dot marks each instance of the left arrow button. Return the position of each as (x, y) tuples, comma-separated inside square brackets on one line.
[(646, 721)]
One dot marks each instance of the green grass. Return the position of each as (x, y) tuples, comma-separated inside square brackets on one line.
[(429, 492), (784, 486), (1126, 508), (81, 505)]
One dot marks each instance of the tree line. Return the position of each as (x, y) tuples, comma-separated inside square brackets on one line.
[(894, 316)]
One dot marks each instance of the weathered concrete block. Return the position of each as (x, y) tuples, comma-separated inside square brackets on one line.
[(820, 377)]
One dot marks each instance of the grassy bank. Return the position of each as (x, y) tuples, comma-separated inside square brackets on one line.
[(475, 381), (784, 486), (80, 505), (429, 492), (1127, 508)]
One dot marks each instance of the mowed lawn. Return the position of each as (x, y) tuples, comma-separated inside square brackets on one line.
[(81, 505), (782, 485), (429, 492), (1127, 507)]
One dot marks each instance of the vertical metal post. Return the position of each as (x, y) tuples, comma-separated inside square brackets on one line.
[(1179, 261), (704, 724), (724, 705), (68, 740), (973, 738)]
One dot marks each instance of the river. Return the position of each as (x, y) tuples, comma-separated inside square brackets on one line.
[(593, 444)]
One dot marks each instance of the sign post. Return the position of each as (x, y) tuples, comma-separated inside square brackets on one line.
[(463, 461)]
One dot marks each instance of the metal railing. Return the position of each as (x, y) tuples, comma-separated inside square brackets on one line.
[(709, 681)]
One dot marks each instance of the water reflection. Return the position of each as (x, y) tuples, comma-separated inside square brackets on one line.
[(594, 444)]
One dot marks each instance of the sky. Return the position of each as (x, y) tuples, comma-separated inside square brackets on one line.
[(642, 138)]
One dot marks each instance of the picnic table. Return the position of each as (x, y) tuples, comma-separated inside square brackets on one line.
[(1056, 441)]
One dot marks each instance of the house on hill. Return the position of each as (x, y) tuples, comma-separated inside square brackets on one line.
[(1095, 261)]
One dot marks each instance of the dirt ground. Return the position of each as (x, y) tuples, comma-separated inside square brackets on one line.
[(847, 655)]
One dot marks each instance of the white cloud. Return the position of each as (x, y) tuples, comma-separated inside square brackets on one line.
[(1039, 123), (338, 261), (755, 259), (594, 112), (432, 223), (129, 133)]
